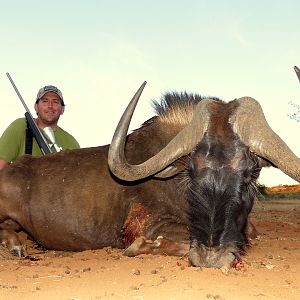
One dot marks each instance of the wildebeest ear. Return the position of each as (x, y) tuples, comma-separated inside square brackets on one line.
[(176, 167)]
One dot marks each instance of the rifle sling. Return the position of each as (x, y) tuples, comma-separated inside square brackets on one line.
[(28, 140)]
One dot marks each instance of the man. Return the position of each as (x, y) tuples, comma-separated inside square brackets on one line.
[(49, 106)]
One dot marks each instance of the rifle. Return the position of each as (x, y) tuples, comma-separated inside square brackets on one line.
[(31, 123)]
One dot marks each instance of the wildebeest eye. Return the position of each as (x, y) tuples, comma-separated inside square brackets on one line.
[(192, 168), (248, 178)]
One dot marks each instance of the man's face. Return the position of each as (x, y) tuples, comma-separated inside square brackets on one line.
[(49, 109)]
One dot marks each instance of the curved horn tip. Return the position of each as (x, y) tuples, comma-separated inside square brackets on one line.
[(143, 84), (297, 70), (140, 89)]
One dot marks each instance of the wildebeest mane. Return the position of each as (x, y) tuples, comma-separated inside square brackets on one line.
[(177, 107)]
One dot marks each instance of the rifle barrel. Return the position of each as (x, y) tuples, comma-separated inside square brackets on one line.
[(40, 139), (18, 93)]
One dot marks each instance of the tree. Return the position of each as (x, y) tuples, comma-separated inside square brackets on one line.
[(296, 114)]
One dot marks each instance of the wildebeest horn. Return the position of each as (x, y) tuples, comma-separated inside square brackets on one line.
[(182, 144), (250, 124), (297, 70)]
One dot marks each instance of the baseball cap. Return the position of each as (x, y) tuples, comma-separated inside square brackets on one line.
[(49, 88)]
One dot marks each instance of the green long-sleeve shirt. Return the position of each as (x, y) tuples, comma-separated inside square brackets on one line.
[(12, 141)]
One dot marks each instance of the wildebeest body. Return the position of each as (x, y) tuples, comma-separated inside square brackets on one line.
[(188, 182), (69, 201)]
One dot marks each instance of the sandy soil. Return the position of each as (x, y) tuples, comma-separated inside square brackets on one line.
[(271, 269), (284, 189)]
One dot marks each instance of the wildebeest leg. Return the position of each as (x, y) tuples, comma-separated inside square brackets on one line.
[(160, 246), (9, 238), (134, 231), (251, 231)]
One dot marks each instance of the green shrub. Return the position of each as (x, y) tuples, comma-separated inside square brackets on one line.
[(262, 189)]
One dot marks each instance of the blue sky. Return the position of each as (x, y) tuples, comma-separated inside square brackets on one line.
[(99, 52)]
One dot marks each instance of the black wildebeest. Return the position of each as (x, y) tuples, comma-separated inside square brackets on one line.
[(182, 184)]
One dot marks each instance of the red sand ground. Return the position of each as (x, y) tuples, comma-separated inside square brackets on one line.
[(271, 271)]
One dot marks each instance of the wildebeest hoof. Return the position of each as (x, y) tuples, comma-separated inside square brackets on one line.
[(18, 250), (142, 246), (134, 248), (252, 232), (10, 240), (157, 242)]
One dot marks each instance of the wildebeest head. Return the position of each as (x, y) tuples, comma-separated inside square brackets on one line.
[(227, 145)]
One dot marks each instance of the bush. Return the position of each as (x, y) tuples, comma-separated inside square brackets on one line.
[(262, 189)]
